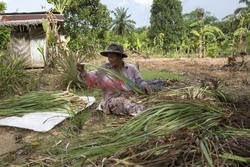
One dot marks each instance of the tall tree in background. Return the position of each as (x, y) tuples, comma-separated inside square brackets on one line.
[(4, 31), (193, 16), (166, 18), (86, 16), (122, 24), (86, 22), (2, 7)]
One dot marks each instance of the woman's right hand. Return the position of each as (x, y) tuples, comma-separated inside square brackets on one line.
[(80, 67)]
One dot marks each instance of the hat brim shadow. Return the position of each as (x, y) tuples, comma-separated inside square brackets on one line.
[(105, 53)]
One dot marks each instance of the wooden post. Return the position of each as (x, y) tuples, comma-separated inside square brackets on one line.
[(47, 53)]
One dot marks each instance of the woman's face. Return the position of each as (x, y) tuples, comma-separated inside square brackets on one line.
[(114, 59)]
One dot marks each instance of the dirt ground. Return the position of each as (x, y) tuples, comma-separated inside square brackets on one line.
[(230, 80)]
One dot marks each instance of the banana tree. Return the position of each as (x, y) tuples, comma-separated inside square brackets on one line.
[(201, 31), (159, 42), (188, 44), (184, 46), (59, 5), (242, 32)]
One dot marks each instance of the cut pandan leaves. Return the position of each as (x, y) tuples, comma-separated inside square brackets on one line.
[(235, 157), (159, 120), (41, 101), (35, 143)]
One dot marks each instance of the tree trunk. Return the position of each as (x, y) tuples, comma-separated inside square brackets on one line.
[(240, 44), (204, 47), (200, 47), (52, 52), (47, 53)]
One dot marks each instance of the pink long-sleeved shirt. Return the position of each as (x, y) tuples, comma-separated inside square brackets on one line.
[(110, 86)]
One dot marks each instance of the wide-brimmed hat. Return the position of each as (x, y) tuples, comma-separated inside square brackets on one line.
[(114, 48)]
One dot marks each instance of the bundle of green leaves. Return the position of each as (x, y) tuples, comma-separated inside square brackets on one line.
[(40, 101)]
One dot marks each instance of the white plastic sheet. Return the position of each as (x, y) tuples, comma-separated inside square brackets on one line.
[(40, 121)]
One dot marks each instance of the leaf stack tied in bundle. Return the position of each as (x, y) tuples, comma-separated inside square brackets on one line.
[(198, 93), (75, 102), (41, 102)]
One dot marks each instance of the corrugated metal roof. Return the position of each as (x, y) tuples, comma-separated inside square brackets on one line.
[(18, 13), (26, 19)]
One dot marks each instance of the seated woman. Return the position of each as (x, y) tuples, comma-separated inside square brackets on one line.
[(115, 99)]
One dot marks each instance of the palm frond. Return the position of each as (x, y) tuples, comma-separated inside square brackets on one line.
[(122, 23)]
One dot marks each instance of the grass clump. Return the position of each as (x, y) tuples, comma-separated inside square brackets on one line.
[(154, 74), (13, 77), (97, 93), (69, 72)]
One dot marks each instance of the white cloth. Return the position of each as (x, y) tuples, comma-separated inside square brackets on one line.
[(41, 121)]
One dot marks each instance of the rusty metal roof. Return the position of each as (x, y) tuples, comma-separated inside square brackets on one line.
[(26, 19), (27, 13)]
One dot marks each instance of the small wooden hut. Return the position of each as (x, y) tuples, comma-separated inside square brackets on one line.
[(27, 34)]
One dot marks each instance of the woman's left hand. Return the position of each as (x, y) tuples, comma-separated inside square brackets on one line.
[(147, 89)]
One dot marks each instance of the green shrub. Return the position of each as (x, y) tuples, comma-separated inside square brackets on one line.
[(213, 50), (13, 77), (4, 37), (69, 72), (248, 44), (89, 42), (154, 74)]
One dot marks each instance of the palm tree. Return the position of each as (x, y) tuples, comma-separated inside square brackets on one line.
[(122, 23)]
